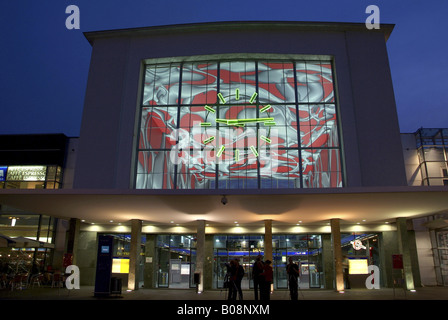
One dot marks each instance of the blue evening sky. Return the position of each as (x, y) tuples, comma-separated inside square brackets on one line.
[(44, 66)]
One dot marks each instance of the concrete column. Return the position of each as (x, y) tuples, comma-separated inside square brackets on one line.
[(337, 253), (268, 240), (73, 238), (327, 260), (150, 266), (134, 254), (208, 262), (403, 247), (200, 253)]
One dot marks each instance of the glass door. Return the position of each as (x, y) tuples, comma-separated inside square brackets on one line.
[(163, 255), (221, 261), (279, 265)]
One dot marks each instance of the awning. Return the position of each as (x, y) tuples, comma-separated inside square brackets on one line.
[(374, 204)]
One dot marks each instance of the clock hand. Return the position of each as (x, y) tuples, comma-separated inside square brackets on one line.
[(242, 121)]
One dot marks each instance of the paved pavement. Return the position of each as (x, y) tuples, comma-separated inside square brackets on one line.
[(187, 304), (87, 293)]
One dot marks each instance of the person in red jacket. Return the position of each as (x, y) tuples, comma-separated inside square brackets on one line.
[(267, 280)]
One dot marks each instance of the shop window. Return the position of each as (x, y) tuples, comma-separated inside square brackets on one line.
[(30, 177), (29, 245)]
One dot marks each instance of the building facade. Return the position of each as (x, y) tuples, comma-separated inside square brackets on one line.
[(209, 142)]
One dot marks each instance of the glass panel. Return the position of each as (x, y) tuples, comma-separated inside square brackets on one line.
[(237, 75), (276, 82), (163, 255), (176, 260), (161, 86), (314, 82), (199, 82), (305, 250), (220, 271), (279, 265), (46, 229), (220, 242)]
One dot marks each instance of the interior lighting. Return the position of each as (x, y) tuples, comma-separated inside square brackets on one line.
[(13, 221)]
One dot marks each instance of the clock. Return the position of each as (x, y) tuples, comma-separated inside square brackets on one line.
[(244, 126)]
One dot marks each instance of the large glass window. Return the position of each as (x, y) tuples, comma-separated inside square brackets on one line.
[(26, 243), (432, 147), (30, 177), (239, 125)]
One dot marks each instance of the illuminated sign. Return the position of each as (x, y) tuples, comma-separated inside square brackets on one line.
[(120, 265), (26, 173), (358, 266), (357, 244), (104, 249), (3, 171)]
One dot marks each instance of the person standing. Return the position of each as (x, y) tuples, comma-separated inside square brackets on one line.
[(238, 278), (293, 279), (231, 272), (257, 269), (267, 274)]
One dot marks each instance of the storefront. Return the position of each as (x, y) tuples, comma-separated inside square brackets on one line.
[(306, 251), (26, 244)]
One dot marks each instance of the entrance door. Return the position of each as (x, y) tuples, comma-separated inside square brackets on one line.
[(279, 266), (221, 261), (175, 272)]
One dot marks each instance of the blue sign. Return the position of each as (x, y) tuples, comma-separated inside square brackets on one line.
[(3, 171), (104, 249)]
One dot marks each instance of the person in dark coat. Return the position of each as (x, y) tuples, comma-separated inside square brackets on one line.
[(257, 269), (239, 277), (292, 270), (267, 274)]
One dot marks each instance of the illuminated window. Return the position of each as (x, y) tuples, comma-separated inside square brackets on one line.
[(30, 177), (239, 125)]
